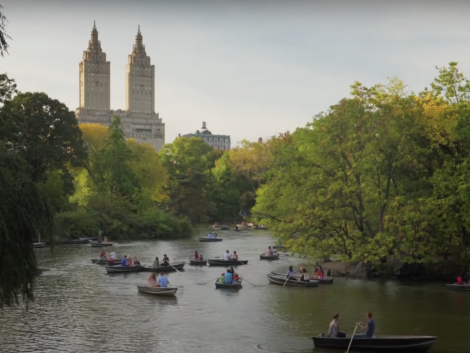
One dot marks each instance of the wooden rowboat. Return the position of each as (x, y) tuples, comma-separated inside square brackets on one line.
[(105, 261), (458, 287), (197, 262), (291, 282), (219, 262), (326, 280), (168, 292), (228, 285), (170, 268), (100, 245), (209, 240), (379, 343), (269, 257), (124, 269)]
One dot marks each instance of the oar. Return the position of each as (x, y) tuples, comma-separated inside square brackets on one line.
[(286, 281), (174, 267), (352, 337), (96, 263), (202, 284), (254, 285)]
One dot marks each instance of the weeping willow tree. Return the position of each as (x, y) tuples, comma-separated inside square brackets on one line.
[(24, 214)]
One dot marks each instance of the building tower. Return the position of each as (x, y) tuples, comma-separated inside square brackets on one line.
[(95, 77), (140, 80)]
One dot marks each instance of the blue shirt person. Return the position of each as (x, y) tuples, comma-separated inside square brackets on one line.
[(124, 261), (228, 277), (163, 281), (370, 328)]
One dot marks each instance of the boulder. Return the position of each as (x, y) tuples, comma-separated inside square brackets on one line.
[(361, 270)]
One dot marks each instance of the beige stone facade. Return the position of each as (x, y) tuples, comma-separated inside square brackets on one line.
[(139, 120)]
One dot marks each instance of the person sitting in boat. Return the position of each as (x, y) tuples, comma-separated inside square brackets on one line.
[(196, 256), (129, 261), (222, 278), (232, 271), (100, 240), (227, 256), (136, 261), (156, 262), (215, 236), (112, 258), (304, 277), (234, 256), (210, 235), (105, 240), (228, 277), (201, 258), (318, 273), (153, 280), (102, 254), (334, 330), (165, 261), (370, 327), (269, 252), (460, 280), (290, 273), (124, 261), (301, 269), (163, 281)]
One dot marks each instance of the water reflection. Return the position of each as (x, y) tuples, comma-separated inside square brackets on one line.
[(79, 308)]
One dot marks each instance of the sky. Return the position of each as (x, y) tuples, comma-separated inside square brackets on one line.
[(249, 69)]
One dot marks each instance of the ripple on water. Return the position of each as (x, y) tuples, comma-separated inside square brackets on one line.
[(79, 308)]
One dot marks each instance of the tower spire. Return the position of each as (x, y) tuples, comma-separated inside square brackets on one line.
[(138, 29), (94, 25)]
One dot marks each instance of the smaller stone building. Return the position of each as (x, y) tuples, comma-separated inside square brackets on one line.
[(220, 142)]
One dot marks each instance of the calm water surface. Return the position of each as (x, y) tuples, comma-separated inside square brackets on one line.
[(79, 308)]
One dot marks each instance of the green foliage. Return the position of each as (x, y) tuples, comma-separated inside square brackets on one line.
[(3, 34), (188, 162), (24, 214), (7, 88), (43, 132)]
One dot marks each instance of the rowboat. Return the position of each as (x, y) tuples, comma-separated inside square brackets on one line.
[(105, 261), (458, 287), (38, 245), (123, 269), (326, 280), (380, 343), (209, 240), (291, 282), (170, 268), (219, 262), (168, 292), (259, 228), (100, 245), (228, 285), (197, 262), (269, 257)]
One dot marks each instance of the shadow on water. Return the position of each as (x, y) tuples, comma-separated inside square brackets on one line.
[(78, 308)]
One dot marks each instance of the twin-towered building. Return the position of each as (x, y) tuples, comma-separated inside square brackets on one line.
[(139, 120)]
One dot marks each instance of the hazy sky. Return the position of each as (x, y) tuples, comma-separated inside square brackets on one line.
[(248, 68)]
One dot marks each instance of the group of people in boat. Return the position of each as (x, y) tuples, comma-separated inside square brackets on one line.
[(110, 256), (229, 277), (334, 330), (461, 280), (212, 236), (129, 261), (162, 281), (270, 251), (198, 256), (165, 261), (228, 257), (304, 275)]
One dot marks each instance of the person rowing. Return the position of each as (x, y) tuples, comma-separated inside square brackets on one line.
[(165, 261), (163, 281), (370, 327), (209, 236), (269, 251), (290, 273), (196, 255)]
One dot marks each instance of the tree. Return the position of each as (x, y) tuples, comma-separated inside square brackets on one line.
[(24, 213), (3, 34), (45, 133), (7, 88), (451, 84), (188, 162)]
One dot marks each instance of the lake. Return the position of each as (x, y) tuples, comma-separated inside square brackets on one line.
[(79, 308)]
